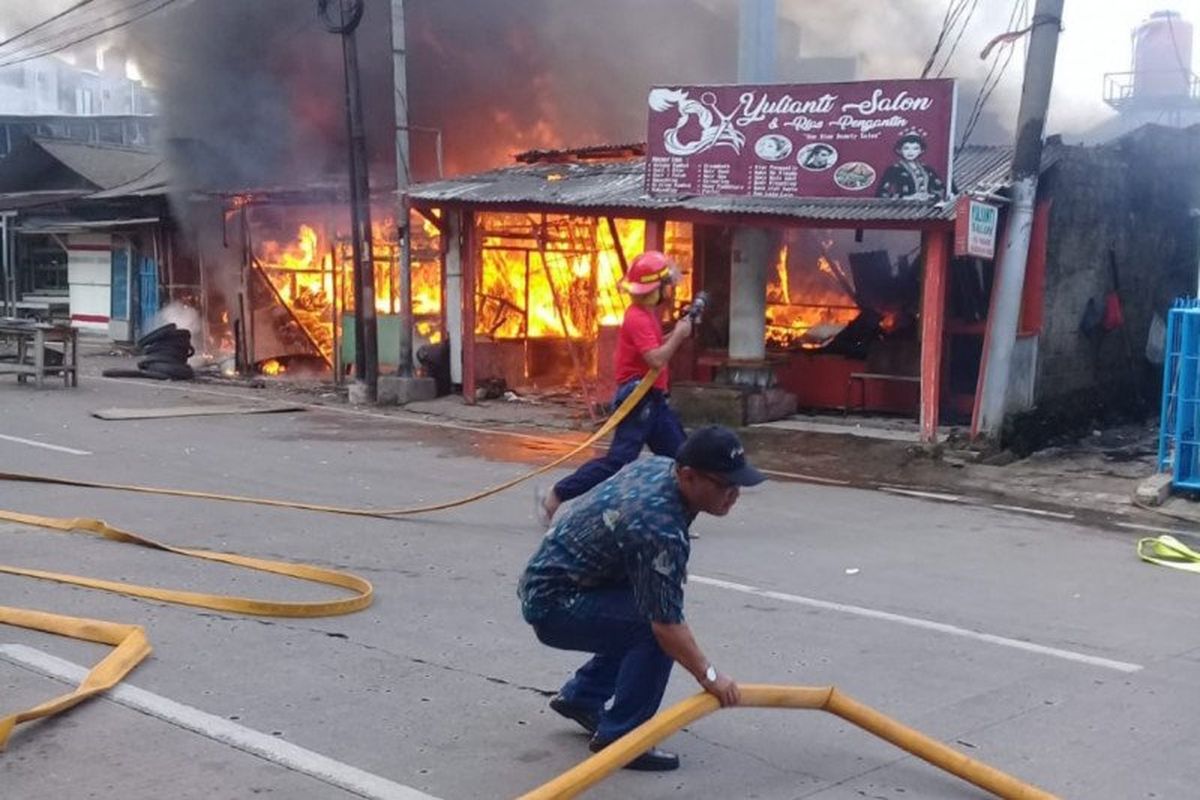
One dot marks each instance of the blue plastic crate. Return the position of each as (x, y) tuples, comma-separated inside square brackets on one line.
[(1179, 419)]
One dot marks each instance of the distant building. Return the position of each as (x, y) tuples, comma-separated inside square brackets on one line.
[(51, 97), (128, 130), (1160, 87), (54, 86)]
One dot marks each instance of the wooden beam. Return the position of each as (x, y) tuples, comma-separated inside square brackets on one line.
[(437, 221), (656, 234), (620, 248)]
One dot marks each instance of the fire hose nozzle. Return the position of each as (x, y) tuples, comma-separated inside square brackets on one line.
[(697, 307)]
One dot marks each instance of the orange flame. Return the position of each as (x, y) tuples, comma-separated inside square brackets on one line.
[(808, 315), (308, 271), (557, 275)]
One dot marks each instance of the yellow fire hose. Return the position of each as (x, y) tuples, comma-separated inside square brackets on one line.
[(131, 645), (130, 640), (622, 411), (821, 698)]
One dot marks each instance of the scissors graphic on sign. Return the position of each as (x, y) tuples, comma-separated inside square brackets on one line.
[(716, 129)]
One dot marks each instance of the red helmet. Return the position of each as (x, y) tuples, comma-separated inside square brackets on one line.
[(648, 272)]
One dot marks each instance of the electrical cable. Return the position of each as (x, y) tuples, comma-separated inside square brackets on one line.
[(994, 76), (953, 10), (70, 27), (46, 22), (962, 29), (161, 5)]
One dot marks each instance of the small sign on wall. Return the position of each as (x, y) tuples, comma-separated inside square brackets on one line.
[(976, 224)]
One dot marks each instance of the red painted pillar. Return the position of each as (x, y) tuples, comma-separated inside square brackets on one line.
[(656, 236), (935, 247), (470, 265)]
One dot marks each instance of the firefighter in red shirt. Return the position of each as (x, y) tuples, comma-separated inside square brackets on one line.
[(641, 347)]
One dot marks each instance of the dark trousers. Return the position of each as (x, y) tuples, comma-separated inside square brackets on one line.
[(628, 665), (652, 423)]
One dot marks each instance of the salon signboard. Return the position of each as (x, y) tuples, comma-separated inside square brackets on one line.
[(886, 139), (976, 226)]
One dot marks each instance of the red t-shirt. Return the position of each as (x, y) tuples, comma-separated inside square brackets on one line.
[(641, 331)]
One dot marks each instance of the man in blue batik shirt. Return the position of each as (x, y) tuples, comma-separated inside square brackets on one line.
[(608, 579)]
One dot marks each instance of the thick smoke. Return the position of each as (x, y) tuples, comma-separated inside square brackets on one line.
[(504, 75), (252, 94)]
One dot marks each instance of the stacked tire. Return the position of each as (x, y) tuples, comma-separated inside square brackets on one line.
[(165, 352)]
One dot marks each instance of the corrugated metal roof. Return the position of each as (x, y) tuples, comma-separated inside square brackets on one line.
[(104, 166), (14, 201), (153, 183), (619, 185)]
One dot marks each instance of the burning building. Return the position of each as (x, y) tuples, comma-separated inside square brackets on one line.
[(515, 268), (845, 322), (866, 306)]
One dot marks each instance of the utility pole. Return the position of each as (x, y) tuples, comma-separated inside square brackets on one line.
[(403, 179), (756, 41), (7, 273), (1027, 160), (345, 20), (754, 249)]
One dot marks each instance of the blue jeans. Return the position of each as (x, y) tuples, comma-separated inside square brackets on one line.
[(652, 423), (628, 665)]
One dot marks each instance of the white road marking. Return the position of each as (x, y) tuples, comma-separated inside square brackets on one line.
[(916, 622), (940, 497), (1135, 526), (293, 757), (799, 476), (59, 448), (1035, 511)]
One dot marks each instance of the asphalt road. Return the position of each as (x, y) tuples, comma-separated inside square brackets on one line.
[(1042, 648)]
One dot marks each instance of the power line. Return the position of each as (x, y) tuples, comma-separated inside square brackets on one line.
[(48, 37), (953, 10), (74, 31), (961, 31), (54, 48), (46, 22), (995, 74)]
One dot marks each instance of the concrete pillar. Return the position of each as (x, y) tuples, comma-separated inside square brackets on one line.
[(754, 251), (756, 41), (453, 302), (1004, 316), (470, 258)]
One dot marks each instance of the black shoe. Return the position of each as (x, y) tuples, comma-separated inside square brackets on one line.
[(588, 720), (653, 760)]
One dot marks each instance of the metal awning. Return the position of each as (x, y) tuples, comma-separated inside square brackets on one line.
[(41, 225), (618, 186)]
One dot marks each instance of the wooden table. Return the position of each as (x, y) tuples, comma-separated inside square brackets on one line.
[(44, 308), (31, 339)]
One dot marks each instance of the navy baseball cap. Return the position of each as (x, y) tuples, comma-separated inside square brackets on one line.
[(718, 450)]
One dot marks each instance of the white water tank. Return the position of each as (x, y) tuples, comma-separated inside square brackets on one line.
[(1162, 56)]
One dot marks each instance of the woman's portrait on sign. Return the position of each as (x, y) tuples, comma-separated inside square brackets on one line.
[(910, 178)]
